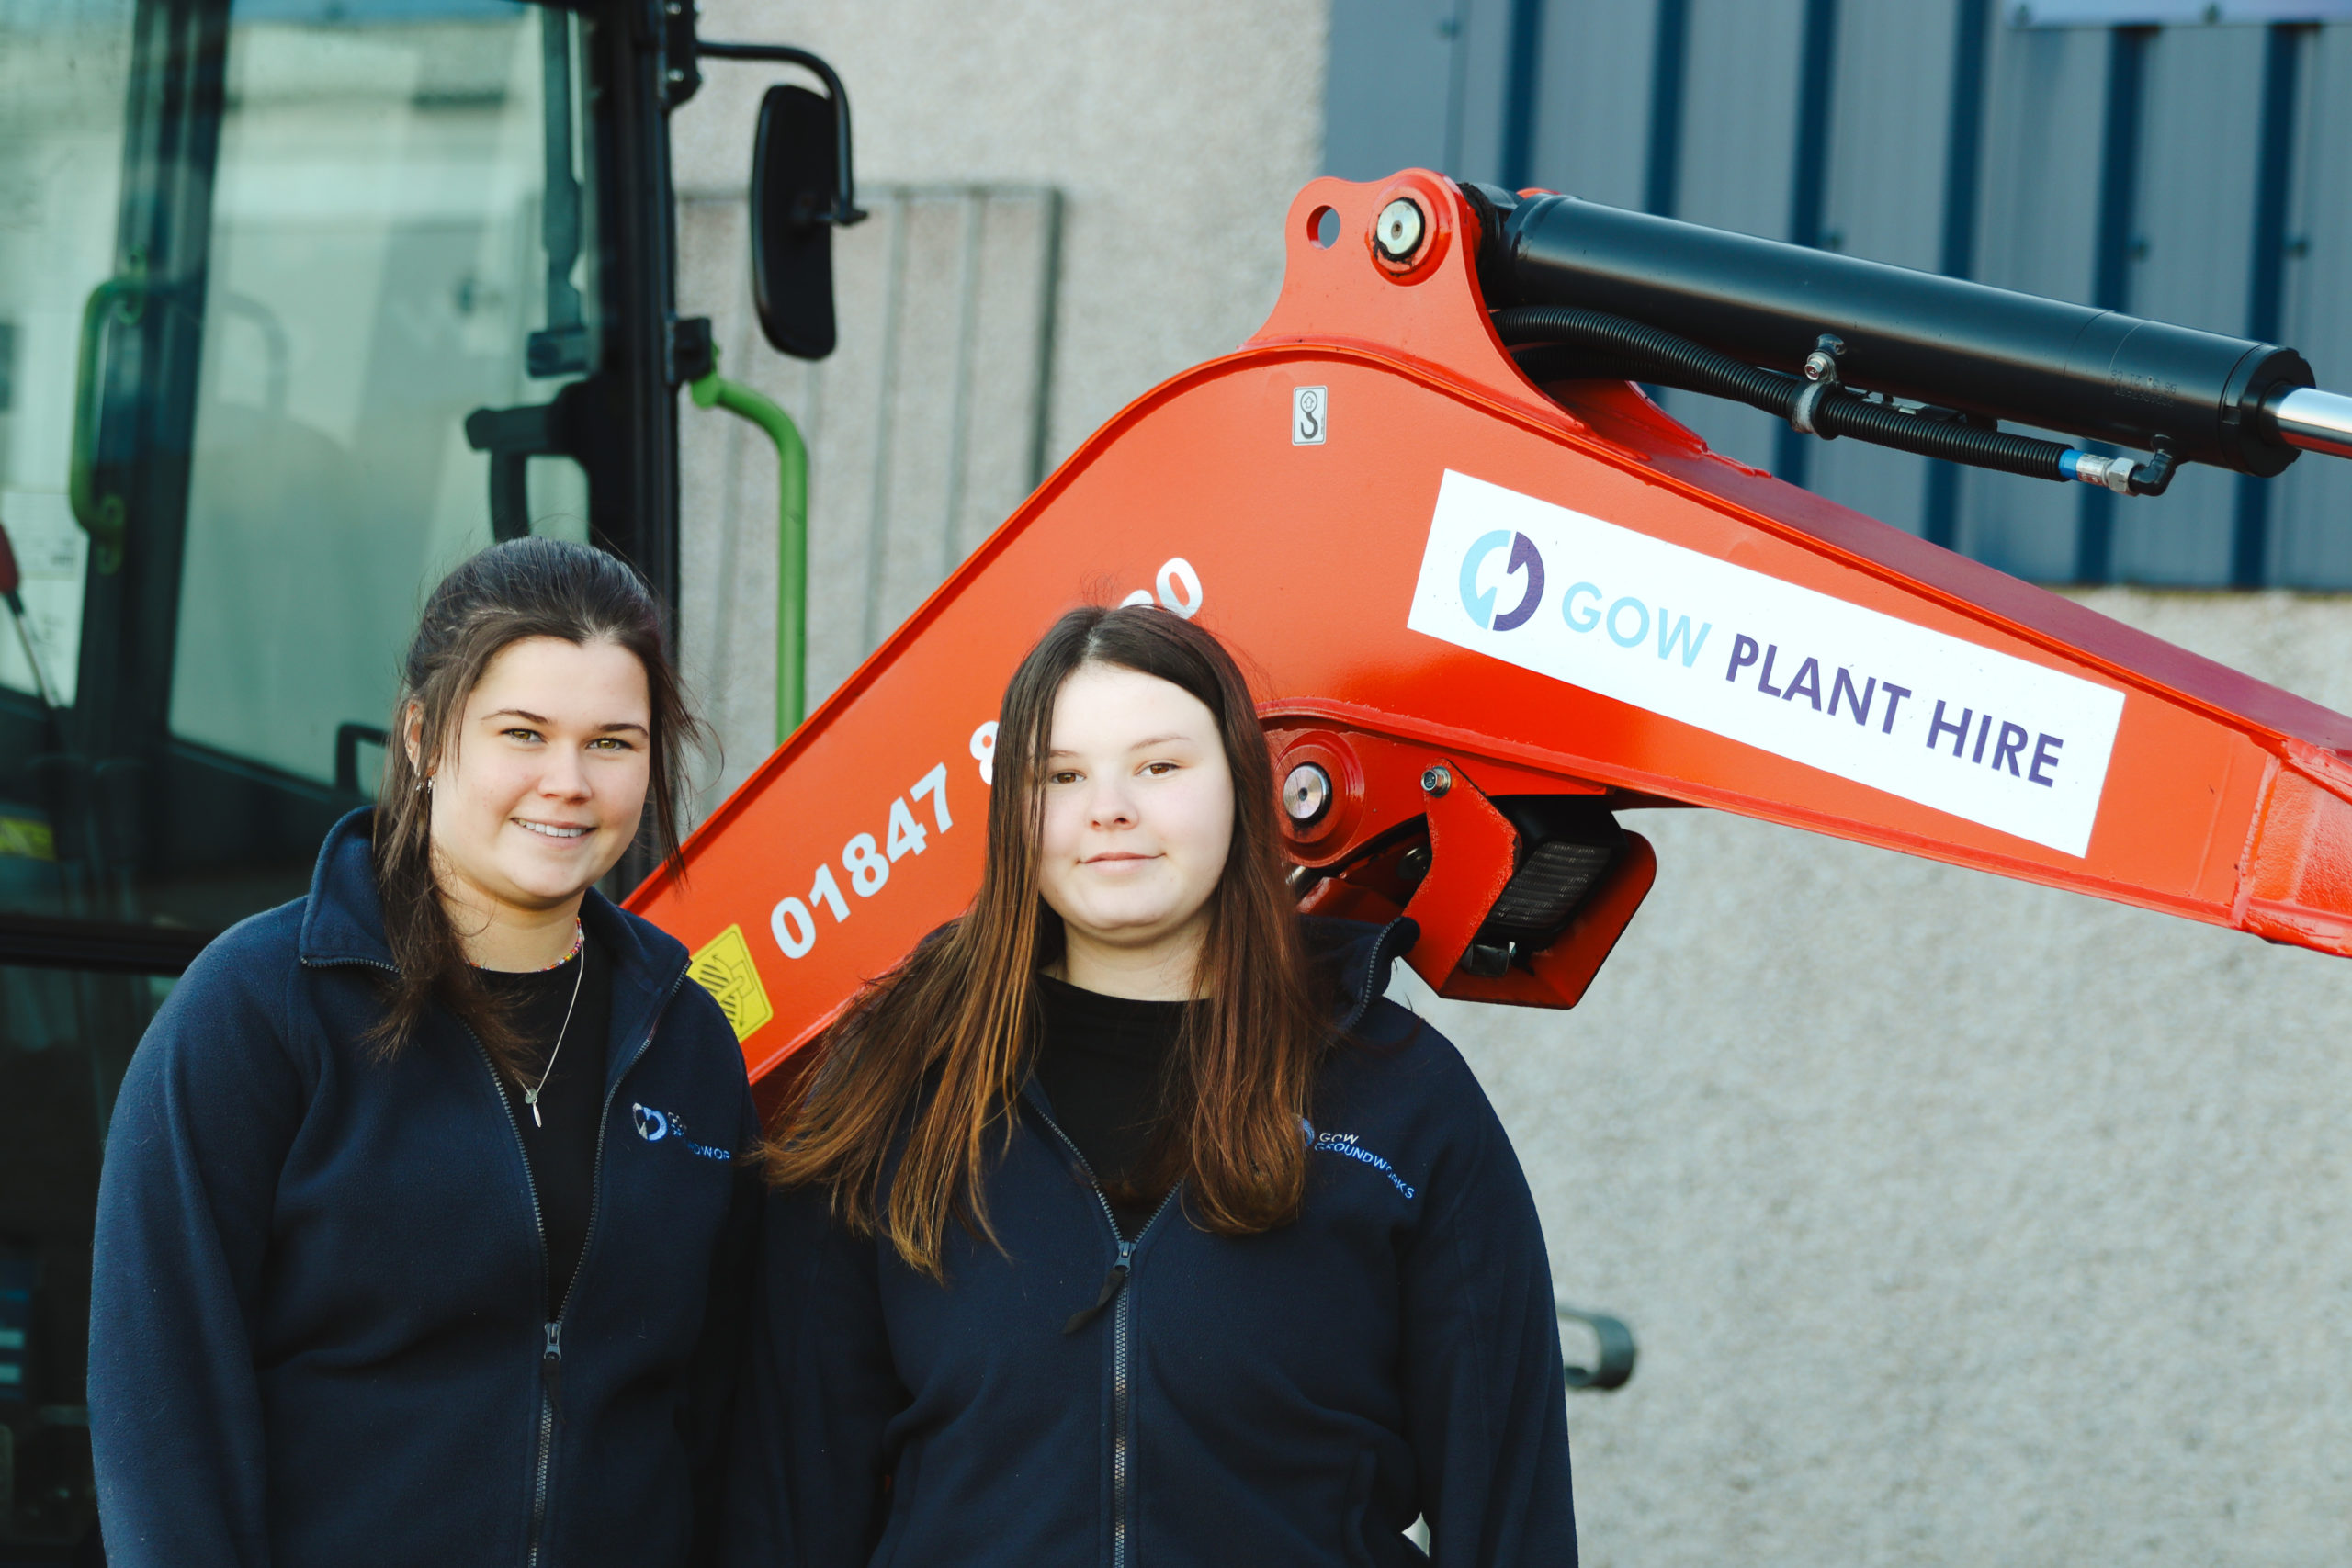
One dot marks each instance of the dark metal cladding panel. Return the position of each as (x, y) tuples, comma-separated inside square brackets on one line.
[(1592, 110), (2199, 153), (2311, 544), (1885, 200), (1739, 139), (2037, 231), (2035, 206), (1389, 93)]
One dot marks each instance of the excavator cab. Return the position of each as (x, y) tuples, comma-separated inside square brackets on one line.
[(301, 303)]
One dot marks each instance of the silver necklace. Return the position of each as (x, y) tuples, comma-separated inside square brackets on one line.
[(579, 953)]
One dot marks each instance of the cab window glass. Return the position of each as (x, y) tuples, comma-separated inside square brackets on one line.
[(259, 263), (376, 270)]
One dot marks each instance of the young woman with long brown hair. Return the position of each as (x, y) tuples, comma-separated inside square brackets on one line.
[(1125, 1221), (420, 1232)]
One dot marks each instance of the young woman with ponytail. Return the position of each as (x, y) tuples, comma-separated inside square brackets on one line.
[(1125, 1221), (422, 1227)]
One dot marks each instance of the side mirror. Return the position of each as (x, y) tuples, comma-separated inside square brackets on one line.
[(791, 242), (800, 189)]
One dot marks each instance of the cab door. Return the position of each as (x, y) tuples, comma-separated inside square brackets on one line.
[(260, 261)]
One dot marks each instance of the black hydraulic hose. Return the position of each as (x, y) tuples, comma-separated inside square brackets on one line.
[(1669, 360), (1843, 414)]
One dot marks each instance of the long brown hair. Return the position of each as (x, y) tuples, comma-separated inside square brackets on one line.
[(524, 588), (938, 1047)]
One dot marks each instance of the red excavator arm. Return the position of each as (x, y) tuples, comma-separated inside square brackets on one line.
[(1482, 615)]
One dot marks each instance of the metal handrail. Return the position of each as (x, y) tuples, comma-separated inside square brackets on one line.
[(713, 391)]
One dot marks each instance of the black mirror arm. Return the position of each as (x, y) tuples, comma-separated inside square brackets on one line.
[(845, 208)]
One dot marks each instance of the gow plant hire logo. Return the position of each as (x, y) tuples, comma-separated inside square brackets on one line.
[(659, 1126), (1479, 605), (1900, 706), (1524, 557)]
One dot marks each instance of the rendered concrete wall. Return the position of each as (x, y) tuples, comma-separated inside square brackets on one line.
[(1962, 1222), (1178, 135)]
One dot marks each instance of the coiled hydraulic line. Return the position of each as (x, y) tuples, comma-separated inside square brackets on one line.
[(1644, 353)]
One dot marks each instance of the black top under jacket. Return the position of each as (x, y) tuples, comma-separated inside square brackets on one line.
[(1100, 1060), (560, 1142), (1287, 1400), (318, 1321)]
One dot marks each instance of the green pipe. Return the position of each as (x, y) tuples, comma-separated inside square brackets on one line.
[(791, 537)]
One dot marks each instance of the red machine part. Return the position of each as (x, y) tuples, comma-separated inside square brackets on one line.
[(1306, 498)]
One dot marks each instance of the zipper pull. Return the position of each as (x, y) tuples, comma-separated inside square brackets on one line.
[(1112, 1284), (551, 1363)]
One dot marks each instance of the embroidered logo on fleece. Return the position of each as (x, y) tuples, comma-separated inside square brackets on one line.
[(658, 1126), (1346, 1145)]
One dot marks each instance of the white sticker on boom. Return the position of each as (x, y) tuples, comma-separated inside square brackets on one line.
[(1310, 415), (1932, 718)]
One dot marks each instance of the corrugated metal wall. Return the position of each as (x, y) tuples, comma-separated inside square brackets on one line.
[(2195, 174)]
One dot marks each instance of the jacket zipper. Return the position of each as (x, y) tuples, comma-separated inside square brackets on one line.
[(1113, 1286), (551, 1356)]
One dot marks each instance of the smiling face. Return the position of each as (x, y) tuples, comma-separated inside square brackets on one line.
[(539, 790), (1138, 821)]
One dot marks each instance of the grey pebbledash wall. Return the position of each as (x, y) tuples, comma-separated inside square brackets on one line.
[(1963, 1222), (1172, 137)]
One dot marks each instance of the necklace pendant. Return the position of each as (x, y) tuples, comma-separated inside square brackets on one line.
[(531, 1099)]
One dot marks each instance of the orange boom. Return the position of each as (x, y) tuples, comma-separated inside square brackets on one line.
[(1485, 614)]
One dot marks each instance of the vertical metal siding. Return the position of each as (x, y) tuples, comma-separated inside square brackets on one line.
[(1739, 135), (1592, 116), (1482, 74), (1389, 93), (1885, 202), (2045, 94), (2185, 254), (2311, 515), (2282, 55), (2199, 137)]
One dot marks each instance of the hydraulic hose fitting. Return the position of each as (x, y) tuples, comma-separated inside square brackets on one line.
[(2090, 468), (2122, 475), (1820, 375)]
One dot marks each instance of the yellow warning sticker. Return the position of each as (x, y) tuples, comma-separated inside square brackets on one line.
[(725, 969)]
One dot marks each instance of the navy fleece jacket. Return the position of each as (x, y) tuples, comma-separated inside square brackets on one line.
[(318, 1330), (1292, 1399)]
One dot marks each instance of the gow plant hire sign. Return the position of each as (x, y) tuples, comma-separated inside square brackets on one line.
[(1916, 713)]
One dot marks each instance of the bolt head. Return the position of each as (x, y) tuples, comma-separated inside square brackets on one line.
[(1398, 233), (1437, 780), (1817, 365), (1307, 793)]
